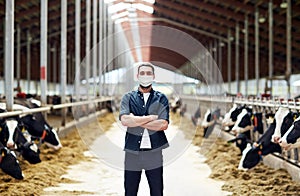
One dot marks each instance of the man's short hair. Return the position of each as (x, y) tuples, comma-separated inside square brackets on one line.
[(145, 64)]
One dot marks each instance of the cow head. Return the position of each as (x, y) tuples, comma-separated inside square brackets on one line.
[(241, 141), (234, 114), (251, 156), (51, 138), (8, 131), (284, 120), (9, 163), (269, 118), (209, 121), (231, 117), (12, 136), (227, 121), (290, 138), (243, 121), (30, 152), (295, 132), (38, 127)]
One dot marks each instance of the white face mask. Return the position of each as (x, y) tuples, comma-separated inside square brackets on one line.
[(145, 80)]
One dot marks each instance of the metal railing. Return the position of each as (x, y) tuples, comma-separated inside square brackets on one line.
[(49, 108)]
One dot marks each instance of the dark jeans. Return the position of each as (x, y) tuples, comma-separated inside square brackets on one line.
[(151, 162)]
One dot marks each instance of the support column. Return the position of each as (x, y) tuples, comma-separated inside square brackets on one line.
[(63, 58), (271, 45), (100, 61), (94, 50), (28, 60), (246, 56), (237, 64), (18, 56), (229, 61), (88, 47), (220, 45), (9, 52), (257, 51), (105, 43), (288, 46), (77, 48), (55, 65), (43, 63)]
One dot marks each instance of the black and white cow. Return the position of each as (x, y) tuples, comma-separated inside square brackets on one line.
[(12, 137), (209, 121), (269, 118), (176, 104), (242, 128), (244, 121), (252, 154), (37, 125), (281, 112), (290, 139), (9, 163), (231, 117)]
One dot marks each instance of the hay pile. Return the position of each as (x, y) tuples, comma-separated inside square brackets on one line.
[(54, 164)]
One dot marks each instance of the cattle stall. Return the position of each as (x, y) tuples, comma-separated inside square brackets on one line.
[(288, 160)]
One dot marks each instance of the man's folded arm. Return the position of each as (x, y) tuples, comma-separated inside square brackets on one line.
[(131, 120), (156, 125)]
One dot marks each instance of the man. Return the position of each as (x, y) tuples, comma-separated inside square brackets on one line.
[(145, 112)]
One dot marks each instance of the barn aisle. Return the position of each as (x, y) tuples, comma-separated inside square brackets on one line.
[(186, 175)]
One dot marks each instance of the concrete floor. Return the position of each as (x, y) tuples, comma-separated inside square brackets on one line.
[(185, 174)]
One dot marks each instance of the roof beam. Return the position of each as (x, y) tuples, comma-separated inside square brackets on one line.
[(212, 18), (190, 20)]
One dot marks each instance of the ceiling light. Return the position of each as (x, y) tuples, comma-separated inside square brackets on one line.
[(150, 1), (144, 8), (262, 19), (109, 1), (283, 5), (118, 7)]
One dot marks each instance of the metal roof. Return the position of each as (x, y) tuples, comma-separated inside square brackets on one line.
[(204, 20)]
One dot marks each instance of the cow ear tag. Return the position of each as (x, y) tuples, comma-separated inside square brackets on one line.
[(0, 129), (23, 129)]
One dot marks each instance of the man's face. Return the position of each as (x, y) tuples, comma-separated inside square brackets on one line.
[(145, 71), (145, 76)]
